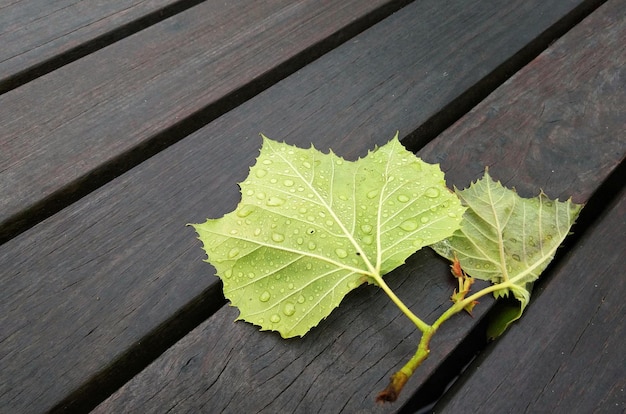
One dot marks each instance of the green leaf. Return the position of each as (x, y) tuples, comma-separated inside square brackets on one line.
[(506, 238), (311, 227)]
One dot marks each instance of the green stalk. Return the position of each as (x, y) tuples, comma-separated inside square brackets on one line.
[(421, 325), (400, 378)]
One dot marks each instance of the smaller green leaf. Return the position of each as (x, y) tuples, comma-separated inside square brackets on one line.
[(507, 238)]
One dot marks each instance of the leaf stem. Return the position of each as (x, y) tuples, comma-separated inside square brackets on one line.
[(421, 325), (399, 379)]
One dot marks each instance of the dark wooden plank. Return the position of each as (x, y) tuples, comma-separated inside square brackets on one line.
[(226, 366), (69, 131), (35, 33), (568, 354), (84, 291)]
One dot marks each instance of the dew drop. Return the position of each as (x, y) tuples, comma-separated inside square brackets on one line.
[(329, 223), (367, 228), (515, 257), (301, 299), (249, 192), (267, 162), (312, 245), (275, 318), (341, 253), (306, 164), (372, 194), (451, 214), (265, 296), (402, 198), (368, 239), (418, 242), (408, 225), (245, 211), (309, 266), (275, 201), (277, 237), (302, 210), (289, 309), (228, 274), (432, 192), (257, 231), (260, 173), (288, 183), (250, 275), (300, 240), (260, 195), (424, 219), (234, 252)]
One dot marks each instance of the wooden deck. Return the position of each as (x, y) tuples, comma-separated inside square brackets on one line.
[(122, 122)]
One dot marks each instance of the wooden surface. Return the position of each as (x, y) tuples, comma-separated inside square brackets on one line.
[(39, 36), (100, 288), (343, 363), (66, 133), (571, 358)]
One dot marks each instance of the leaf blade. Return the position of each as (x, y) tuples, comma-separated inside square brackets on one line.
[(507, 238), (311, 226)]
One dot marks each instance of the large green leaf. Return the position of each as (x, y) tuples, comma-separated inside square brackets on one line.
[(311, 227), (504, 237)]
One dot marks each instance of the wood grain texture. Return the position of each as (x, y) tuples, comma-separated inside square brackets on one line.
[(90, 283), (33, 32), (567, 354), (341, 364), (551, 129), (338, 367), (76, 127)]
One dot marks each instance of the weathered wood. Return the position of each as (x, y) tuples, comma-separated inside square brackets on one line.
[(568, 354), (342, 363), (37, 36), (82, 288), (71, 130)]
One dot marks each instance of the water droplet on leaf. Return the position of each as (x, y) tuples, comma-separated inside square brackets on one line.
[(432, 192), (245, 211), (265, 296), (289, 309), (234, 252), (408, 225), (372, 194)]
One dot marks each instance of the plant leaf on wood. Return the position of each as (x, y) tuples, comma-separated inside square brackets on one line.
[(311, 227), (507, 239)]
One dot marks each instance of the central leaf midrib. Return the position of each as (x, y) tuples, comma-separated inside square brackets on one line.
[(357, 246)]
